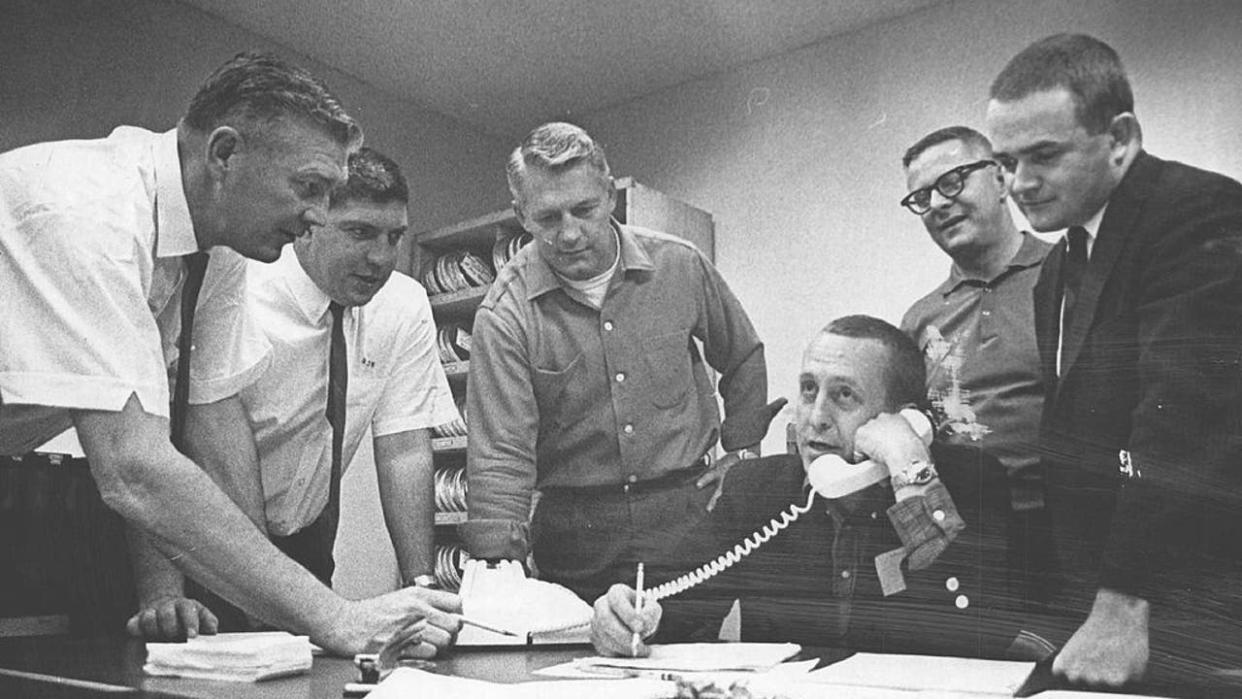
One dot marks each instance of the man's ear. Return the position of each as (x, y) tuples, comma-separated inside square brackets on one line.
[(612, 195), (1125, 133), (517, 213), (222, 144)]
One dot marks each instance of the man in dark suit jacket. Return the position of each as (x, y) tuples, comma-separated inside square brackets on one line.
[(1139, 322)]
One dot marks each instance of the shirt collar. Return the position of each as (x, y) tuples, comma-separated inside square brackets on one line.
[(1029, 254), (543, 279), (1092, 226), (175, 231), (310, 299)]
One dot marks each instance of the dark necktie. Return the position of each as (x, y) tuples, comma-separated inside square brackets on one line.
[(338, 382), (1072, 271), (196, 268)]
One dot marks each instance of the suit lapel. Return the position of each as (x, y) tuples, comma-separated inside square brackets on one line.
[(1047, 299), (1116, 232)]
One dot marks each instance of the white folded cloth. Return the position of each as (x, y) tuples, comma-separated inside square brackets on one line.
[(243, 657)]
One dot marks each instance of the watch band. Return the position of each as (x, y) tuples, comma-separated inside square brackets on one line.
[(918, 472)]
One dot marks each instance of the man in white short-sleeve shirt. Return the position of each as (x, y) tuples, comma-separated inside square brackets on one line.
[(90, 234), (396, 385)]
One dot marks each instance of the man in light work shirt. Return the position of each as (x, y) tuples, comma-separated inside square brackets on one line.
[(92, 235), (977, 329), (586, 382), (396, 385)]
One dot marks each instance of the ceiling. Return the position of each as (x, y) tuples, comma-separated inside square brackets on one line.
[(504, 66)]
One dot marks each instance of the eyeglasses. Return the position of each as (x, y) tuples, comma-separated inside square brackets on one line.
[(950, 184)]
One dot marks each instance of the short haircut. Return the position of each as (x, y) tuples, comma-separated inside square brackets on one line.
[(373, 177), (965, 134), (555, 146), (905, 372), (253, 89), (1085, 66)]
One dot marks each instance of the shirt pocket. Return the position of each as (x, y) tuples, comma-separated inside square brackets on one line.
[(549, 385), (668, 365)]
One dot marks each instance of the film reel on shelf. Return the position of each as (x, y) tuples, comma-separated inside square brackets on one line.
[(450, 486), (453, 342), (450, 565), (506, 246), (455, 271)]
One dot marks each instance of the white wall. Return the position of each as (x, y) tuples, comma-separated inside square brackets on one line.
[(799, 157)]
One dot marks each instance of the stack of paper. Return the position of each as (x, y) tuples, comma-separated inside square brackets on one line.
[(245, 657)]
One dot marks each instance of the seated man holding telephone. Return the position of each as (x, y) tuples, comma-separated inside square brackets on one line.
[(835, 576)]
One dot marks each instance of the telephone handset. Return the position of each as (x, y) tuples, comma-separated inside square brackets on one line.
[(830, 476)]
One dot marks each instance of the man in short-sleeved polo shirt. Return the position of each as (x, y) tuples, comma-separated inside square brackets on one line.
[(90, 232), (977, 330)]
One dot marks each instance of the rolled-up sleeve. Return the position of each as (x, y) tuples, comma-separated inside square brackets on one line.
[(732, 347), (926, 524)]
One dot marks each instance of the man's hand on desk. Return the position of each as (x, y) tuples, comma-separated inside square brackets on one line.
[(616, 621), (1111, 647), (172, 618), (422, 621)]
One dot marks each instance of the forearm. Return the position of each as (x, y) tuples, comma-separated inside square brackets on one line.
[(406, 474), (220, 441), (154, 576), (198, 527)]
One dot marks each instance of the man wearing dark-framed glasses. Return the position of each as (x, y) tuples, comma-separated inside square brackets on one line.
[(977, 331)]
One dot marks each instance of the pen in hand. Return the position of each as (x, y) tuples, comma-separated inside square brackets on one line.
[(638, 607)]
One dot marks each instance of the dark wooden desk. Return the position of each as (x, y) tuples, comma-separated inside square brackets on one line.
[(107, 667), (113, 667)]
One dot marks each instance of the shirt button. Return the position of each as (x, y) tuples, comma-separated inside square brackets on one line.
[(845, 574), (951, 584), (987, 313), (875, 515), (628, 429), (621, 377), (938, 515), (961, 602), (633, 478), (608, 325)]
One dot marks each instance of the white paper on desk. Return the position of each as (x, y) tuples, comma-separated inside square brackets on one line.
[(704, 657), (576, 670), (926, 673), (408, 683)]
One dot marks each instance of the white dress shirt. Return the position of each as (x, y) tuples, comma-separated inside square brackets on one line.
[(1092, 226), (396, 382), (91, 238)]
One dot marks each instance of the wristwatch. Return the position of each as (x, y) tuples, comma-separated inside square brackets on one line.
[(917, 472), (746, 453), (427, 581)]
